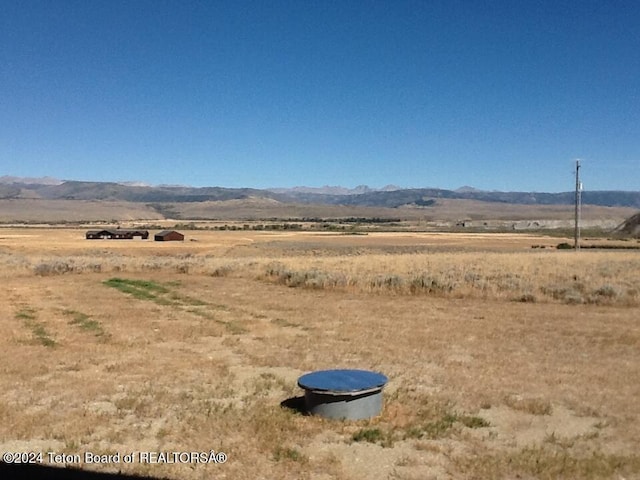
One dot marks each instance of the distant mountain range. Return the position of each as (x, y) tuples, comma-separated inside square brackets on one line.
[(390, 196), (334, 190), (5, 179)]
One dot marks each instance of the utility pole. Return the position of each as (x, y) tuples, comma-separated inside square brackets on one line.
[(578, 205)]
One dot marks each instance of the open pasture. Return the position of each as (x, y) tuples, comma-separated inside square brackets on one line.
[(504, 361)]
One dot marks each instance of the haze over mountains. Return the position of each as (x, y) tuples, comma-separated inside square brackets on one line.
[(334, 190), (389, 196)]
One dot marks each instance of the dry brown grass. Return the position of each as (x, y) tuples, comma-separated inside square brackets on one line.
[(447, 211), (45, 211), (486, 266), (481, 386)]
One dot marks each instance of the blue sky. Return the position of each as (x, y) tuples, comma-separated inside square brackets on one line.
[(500, 95)]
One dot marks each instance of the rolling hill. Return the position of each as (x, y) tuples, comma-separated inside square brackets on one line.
[(630, 227), (364, 196), (45, 200)]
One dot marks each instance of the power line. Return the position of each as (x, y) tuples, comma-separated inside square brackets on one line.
[(578, 207)]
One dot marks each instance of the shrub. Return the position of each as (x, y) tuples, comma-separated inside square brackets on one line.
[(571, 294), (53, 268), (222, 271), (291, 454), (608, 291), (471, 421), (387, 281), (429, 284), (527, 298), (533, 406), (182, 268)]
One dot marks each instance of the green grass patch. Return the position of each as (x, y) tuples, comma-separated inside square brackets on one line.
[(444, 425), (84, 322), (141, 289), (26, 314), (38, 329), (384, 438), (160, 294), (370, 435), (289, 454), (40, 334), (438, 428), (153, 291)]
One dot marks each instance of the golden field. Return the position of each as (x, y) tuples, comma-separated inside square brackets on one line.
[(504, 361)]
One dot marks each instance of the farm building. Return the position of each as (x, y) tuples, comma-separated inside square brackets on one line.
[(169, 236), (116, 234)]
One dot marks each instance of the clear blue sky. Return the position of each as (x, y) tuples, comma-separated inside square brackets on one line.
[(500, 95)]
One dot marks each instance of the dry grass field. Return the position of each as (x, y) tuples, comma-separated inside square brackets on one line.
[(46, 211), (504, 361), (444, 212)]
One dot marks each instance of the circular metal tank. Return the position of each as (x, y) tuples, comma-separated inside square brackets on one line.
[(343, 394)]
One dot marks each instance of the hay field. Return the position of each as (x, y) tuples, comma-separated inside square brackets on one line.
[(504, 361)]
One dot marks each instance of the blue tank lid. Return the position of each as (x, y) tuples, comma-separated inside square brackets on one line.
[(342, 381)]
